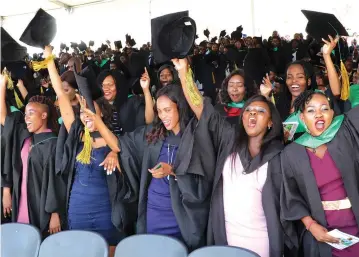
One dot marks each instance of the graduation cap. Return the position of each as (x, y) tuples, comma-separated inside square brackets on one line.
[(41, 30), (206, 33), (214, 40), (84, 156), (223, 33), (320, 25), (104, 47), (91, 43), (73, 45), (82, 46), (132, 42), (10, 49), (18, 69), (62, 46), (90, 75), (118, 44), (173, 36)]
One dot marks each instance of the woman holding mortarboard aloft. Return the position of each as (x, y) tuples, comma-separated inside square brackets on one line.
[(244, 209), (235, 91), (320, 174), (129, 112), (29, 170), (172, 184), (94, 201)]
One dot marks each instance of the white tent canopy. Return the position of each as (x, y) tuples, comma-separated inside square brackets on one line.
[(100, 20)]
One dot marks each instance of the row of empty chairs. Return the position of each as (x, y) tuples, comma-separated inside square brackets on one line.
[(22, 240)]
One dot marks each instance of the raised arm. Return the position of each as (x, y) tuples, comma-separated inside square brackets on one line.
[(23, 91), (145, 84), (190, 90), (333, 77), (67, 113), (3, 111)]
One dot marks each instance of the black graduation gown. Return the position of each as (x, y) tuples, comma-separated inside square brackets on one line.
[(221, 141), (6, 152), (119, 189), (190, 192), (132, 114), (44, 189), (300, 195), (231, 114)]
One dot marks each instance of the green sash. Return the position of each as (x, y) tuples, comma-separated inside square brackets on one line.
[(309, 141), (354, 95), (236, 105)]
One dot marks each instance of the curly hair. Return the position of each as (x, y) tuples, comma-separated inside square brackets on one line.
[(175, 94), (249, 87), (50, 109)]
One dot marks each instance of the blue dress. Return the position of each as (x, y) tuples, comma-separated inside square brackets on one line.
[(160, 216), (89, 203)]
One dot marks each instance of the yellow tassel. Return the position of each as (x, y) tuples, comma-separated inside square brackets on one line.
[(41, 90), (10, 86), (42, 64), (195, 98), (18, 101), (344, 94), (84, 156), (213, 79), (7, 74), (235, 66), (272, 99)]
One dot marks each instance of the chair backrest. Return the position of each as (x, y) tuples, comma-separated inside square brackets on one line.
[(223, 251), (150, 246), (19, 240), (74, 243)]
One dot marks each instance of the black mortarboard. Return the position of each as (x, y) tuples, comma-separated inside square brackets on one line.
[(73, 45), (90, 75), (118, 44), (104, 47), (82, 46), (320, 25), (62, 46), (41, 30), (214, 40), (173, 36), (206, 33), (10, 49), (18, 70), (85, 91), (132, 42), (223, 33)]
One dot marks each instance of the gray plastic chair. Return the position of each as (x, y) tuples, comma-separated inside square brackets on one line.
[(19, 240), (224, 251), (74, 243), (150, 246)]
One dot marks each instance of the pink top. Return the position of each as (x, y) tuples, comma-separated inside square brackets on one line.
[(23, 216), (245, 221)]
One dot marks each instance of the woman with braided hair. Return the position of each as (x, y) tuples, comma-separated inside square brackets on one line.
[(320, 174), (31, 191)]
